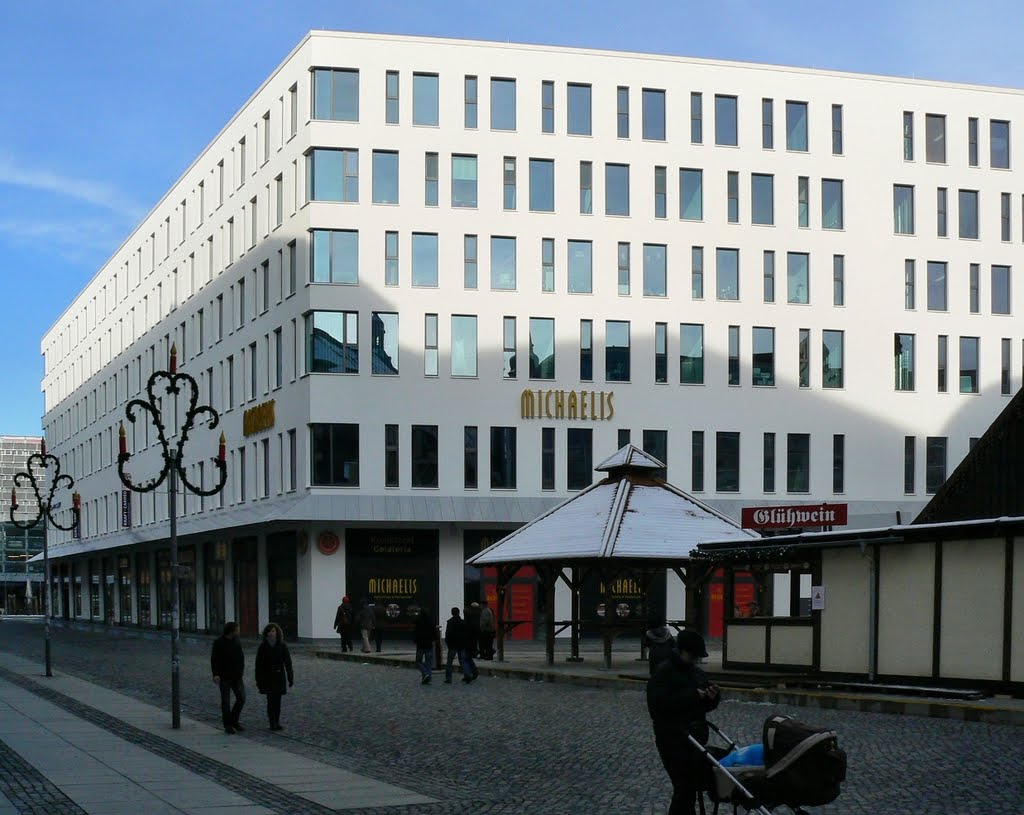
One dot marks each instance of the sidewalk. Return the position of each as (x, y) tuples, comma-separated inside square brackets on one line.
[(69, 746)]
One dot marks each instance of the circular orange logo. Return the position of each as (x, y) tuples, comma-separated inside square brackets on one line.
[(328, 543)]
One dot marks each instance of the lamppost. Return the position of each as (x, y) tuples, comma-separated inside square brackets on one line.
[(171, 455), (44, 513)]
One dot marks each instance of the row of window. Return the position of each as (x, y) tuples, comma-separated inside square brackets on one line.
[(969, 220), (935, 140), (905, 364), (937, 287)]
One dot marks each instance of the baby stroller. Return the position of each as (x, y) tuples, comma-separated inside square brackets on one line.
[(800, 766)]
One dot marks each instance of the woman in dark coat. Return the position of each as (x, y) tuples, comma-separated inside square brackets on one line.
[(273, 668)]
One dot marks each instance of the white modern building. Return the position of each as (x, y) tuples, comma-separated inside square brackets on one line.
[(429, 283)]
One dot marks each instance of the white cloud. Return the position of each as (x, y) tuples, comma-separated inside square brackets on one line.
[(91, 192), (79, 240)]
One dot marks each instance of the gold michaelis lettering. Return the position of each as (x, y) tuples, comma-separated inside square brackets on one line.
[(402, 586), (259, 418), (559, 404), (624, 587), (527, 406), (573, 406), (552, 404), (584, 395)]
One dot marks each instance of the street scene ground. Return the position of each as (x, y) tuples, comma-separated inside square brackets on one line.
[(510, 746)]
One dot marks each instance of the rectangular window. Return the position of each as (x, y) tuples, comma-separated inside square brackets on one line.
[(547, 107), (334, 257), (424, 259), (424, 455), (831, 359), (331, 175), (935, 463), (903, 353), (654, 114), (293, 110), (727, 273), (508, 333), (253, 370), (542, 185), (798, 277), (1004, 217), (384, 343), (937, 295), (838, 280), (623, 268), (696, 119), (909, 464), (1005, 377), (798, 462), (332, 342), (464, 345), (470, 476), (972, 142), (579, 458), (1000, 289), (803, 201), (691, 195), (503, 458), (768, 276), (838, 462), (391, 455), (616, 188), (385, 177), (616, 351), (969, 364), (909, 284), (974, 288), (837, 130), (469, 261), (660, 192), (734, 355), (508, 181), (697, 461), (579, 110), (581, 267), (968, 213), (391, 109), (586, 350), (727, 462), (941, 206), (547, 458), (430, 345), (655, 270), (430, 180), (697, 272), (831, 203), (334, 455), (763, 360), (292, 267), (942, 357), (586, 188), (547, 264), (999, 144), (762, 199), (391, 268), (542, 348), (796, 126), (503, 104), (661, 352), (726, 131), (903, 209), (278, 201), (469, 116), (732, 195), (935, 138), (655, 443), (503, 263), (622, 112), (336, 95), (278, 361), (691, 354), (768, 124), (425, 99), (768, 463), (908, 136)]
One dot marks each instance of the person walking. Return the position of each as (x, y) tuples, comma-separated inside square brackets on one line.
[(423, 635), (365, 621), (227, 661), (273, 669), (487, 629), (678, 699), (472, 621), (343, 621), (455, 639), (660, 643)]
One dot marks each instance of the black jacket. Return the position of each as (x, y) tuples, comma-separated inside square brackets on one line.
[(455, 633), (660, 646), (424, 632), (227, 660), (676, 709), (344, 618), (273, 666)]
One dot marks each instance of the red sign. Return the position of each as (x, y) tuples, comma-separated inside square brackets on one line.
[(328, 543), (788, 517)]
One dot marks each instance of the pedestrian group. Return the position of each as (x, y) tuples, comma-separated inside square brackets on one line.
[(274, 674)]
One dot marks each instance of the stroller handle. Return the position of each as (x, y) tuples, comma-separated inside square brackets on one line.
[(723, 736), (758, 808)]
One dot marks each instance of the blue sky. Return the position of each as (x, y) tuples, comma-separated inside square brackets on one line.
[(105, 104)]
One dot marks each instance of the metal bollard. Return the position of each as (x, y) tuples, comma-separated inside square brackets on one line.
[(437, 648)]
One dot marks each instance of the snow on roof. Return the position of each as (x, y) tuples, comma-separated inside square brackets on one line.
[(630, 456)]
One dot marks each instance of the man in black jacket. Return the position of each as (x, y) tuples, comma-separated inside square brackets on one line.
[(455, 639), (227, 661), (678, 697)]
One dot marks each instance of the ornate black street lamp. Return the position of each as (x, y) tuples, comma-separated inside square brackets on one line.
[(171, 455), (44, 513)]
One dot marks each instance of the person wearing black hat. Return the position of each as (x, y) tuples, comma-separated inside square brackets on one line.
[(678, 699)]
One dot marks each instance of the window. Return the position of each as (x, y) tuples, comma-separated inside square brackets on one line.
[(1000, 289), (733, 197), (616, 184), (725, 120), (837, 130), (972, 142), (803, 201), (278, 361), (660, 196), (762, 199), (503, 458), (547, 107), (908, 136), (696, 118), (542, 185), (384, 343), (831, 359), (579, 458), (838, 280), (655, 270), (796, 126), (727, 462), (464, 345), (937, 299), (542, 348), (903, 209), (581, 265), (430, 180), (1005, 378), (697, 272), (464, 181), (334, 454), (831, 203), (253, 370), (999, 144), (391, 267), (586, 188), (616, 352), (969, 364), (391, 114), (579, 110), (941, 227), (942, 357), (503, 104), (767, 124), (727, 273), (661, 352), (292, 268), (621, 438), (798, 462), (293, 111), (622, 112), (838, 462), (336, 95), (332, 342), (935, 138), (903, 352), (508, 180), (469, 115), (335, 256), (968, 213), (385, 177), (424, 455), (424, 99), (278, 201), (586, 350), (469, 457), (430, 345), (469, 261), (391, 455), (1004, 216), (697, 461), (332, 175), (655, 443), (691, 195), (974, 288), (623, 268), (547, 264), (909, 464), (935, 463), (909, 286), (547, 458), (424, 259), (690, 353), (763, 367), (503, 263), (734, 355), (768, 463), (508, 333), (768, 276), (654, 114)]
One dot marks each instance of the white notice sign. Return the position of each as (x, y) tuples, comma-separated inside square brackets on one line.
[(817, 598)]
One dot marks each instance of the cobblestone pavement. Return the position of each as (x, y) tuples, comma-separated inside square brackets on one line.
[(27, 789), (509, 746)]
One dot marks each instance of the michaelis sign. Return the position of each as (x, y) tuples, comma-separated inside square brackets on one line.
[(788, 517)]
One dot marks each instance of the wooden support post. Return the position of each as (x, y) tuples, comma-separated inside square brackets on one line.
[(548, 578), (574, 626), (500, 612), (609, 617)]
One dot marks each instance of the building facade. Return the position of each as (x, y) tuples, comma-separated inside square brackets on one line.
[(791, 286), (21, 580)]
